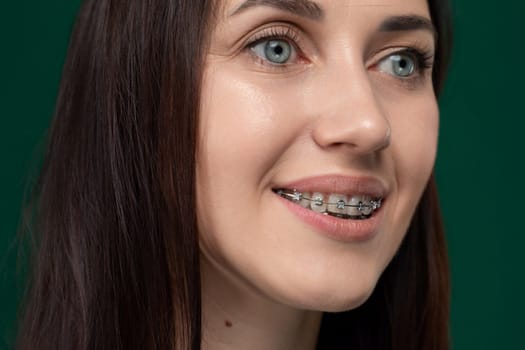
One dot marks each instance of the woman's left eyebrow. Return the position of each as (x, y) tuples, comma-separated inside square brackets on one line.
[(406, 23), (304, 8)]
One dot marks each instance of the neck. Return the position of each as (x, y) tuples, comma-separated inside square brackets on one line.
[(237, 317)]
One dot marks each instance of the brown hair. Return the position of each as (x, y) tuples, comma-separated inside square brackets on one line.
[(116, 257)]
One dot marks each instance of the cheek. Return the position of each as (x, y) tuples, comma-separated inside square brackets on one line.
[(415, 131), (414, 135), (243, 130), (414, 128), (231, 115), (245, 126)]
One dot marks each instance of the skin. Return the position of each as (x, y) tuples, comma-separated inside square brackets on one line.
[(267, 276)]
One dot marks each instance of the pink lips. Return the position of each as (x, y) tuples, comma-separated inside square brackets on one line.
[(333, 227)]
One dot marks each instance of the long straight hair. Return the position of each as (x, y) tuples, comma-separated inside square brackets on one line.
[(115, 263)]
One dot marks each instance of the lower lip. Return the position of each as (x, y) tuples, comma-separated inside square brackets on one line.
[(344, 230)]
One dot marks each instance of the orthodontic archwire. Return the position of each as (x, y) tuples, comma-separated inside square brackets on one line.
[(341, 204)]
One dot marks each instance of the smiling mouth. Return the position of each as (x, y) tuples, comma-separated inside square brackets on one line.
[(354, 207)]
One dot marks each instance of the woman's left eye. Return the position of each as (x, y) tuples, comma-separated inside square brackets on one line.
[(402, 65), (275, 51)]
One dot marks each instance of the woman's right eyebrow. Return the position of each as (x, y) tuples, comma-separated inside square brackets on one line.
[(304, 8)]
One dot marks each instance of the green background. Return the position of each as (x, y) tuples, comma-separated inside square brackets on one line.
[(479, 168)]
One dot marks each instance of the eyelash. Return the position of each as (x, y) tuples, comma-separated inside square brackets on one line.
[(424, 61), (281, 32), (422, 57), (285, 32)]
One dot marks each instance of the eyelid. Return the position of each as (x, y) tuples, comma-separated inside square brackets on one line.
[(412, 48), (277, 31), (422, 54), (423, 60)]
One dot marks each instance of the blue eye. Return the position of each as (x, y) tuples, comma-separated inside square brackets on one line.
[(276, 51), (400, 65)]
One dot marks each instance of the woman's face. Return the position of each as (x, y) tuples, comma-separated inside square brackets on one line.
[(329, 102)]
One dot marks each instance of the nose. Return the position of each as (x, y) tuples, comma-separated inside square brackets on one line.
[(351, 115)]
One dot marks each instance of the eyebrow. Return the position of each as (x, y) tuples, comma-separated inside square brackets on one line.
[(303, 8), (407, 23), (312, 10)]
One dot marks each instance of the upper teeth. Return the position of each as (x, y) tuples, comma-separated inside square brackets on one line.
[(355, 206)]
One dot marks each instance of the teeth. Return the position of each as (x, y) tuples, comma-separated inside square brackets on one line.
[(336, 203), (305, 203), (353, 208), (317, 203), (340, 205), (365, 209)]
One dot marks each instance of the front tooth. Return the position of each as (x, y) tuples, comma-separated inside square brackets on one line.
[(318, 203), (353, 210), (337, 203)]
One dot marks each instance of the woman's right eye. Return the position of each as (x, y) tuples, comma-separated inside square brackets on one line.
[(274, 50)]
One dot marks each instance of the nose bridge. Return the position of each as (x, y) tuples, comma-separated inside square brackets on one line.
[(350, 112)]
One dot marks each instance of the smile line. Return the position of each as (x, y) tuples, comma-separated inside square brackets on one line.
[(365, 209)]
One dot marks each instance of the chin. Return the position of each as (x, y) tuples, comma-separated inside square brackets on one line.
[(348, 303), (345, 302), (330, 297)]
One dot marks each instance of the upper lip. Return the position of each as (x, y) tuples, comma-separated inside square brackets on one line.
[(339, 184)]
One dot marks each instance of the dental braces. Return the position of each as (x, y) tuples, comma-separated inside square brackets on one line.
[(296, 196)]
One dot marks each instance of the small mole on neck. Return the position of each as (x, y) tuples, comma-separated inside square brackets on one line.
[(228, 323)]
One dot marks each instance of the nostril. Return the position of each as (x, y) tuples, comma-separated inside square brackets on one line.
[(388, 136)]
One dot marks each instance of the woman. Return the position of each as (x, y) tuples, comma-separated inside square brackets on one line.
[(265, 164)]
